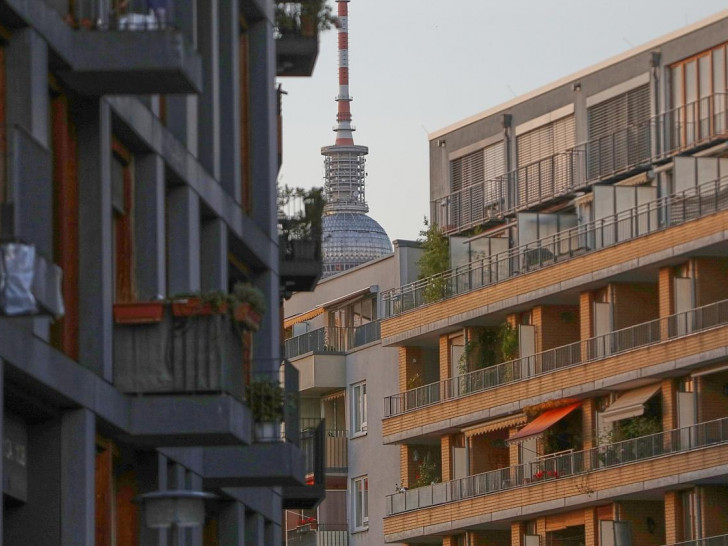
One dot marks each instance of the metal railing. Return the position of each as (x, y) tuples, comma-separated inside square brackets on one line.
[(719, 540), (563, 246), (580, 352), (335, 446), (321, 534), (627, 149), (563, 466), (130, 15), (332, 339)]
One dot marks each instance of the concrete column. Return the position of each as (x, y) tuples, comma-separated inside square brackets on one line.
[(208, 134), (149, 228), (182, 110), (26, 58), (272, 533), (194, 482), (213, 255), (232, 525), (183, 240), (229, 92), (264, 132), (267, 339), (95, 238), (178, 480), (78, 458), (254, 529)]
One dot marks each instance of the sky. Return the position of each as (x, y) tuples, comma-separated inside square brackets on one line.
[(418, 66)]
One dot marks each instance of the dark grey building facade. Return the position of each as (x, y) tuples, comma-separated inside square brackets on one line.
[(138, 161)]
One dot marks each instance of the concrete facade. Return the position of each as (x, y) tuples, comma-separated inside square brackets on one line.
[(138, 153), (361, 359)]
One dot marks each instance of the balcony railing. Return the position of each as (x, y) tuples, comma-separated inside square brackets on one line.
[(580, 352), (721, 540), (299, 239), (332, 339), (331, 534), (132, 15), (627, 149), (576, 463), (623, 226), (335, 447)]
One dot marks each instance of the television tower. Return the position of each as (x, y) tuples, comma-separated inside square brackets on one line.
[(350, 237)]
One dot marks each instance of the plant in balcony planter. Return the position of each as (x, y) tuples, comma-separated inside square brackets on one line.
[(247, 305), (196, 304), (265, 400), (305, 17)]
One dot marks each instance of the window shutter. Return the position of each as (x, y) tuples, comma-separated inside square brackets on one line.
[(619, 135)]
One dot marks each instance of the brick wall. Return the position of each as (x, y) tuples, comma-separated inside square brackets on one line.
[(446, 444), (637, 513), (411, 368), (489, 538), (591, 527), (588, 423), (556, 325), (673, 518), (712, 403), (444, 357), (488, 452), (666, 298), (518, 529), (586, 320), (405, 469), (634, 303), (715, 516), (711, 278), (669, 404)]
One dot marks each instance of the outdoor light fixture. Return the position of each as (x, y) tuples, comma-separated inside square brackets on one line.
[(181, 508)]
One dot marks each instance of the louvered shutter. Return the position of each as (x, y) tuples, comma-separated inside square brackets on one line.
[(543, 168), (471, 182), (619, 135)]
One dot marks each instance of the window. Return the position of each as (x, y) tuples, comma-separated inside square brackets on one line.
[(361, 502), (359, 411), (698, 97)]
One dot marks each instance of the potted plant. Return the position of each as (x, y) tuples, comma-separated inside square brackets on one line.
[(247, 305), (265, 400)]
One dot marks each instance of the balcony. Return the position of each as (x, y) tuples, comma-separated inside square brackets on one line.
[(333, 340), (608, 466), (179, 354), (568, 356), (335, 447), (314, 447), (135, 50), (567, 245), (321, 535), (628, 150), (297, 44), (299, 239)]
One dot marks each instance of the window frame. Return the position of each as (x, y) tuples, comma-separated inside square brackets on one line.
[(360, 501), (359, 409)]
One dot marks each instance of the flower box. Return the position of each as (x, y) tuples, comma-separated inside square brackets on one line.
[(251, 319), (192, 307), (138, 312)]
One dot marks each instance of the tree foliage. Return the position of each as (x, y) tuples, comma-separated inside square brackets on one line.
[(435, 259)]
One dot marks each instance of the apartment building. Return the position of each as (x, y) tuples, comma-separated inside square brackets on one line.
[(571, 368), (138, 164), (333, 340)]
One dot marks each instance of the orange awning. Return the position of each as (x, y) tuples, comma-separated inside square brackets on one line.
[(496, 424), (542, 422), (295, 319)]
